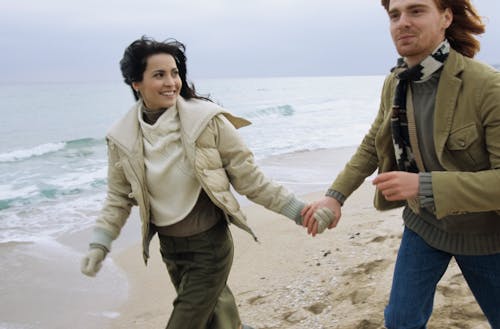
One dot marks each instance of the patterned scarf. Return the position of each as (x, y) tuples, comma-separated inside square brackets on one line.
[(399, 122)]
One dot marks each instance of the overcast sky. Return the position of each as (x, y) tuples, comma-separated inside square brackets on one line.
[(76, 40)]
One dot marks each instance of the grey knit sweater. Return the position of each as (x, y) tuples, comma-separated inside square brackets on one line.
[(458, 234)]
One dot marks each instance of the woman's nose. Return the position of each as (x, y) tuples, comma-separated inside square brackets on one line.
[(168, 80)]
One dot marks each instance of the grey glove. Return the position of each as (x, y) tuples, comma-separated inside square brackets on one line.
[(324, 216), (92, 262)]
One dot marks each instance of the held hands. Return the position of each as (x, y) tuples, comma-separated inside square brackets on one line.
[(92, 262), (322, 214), (324, 217)]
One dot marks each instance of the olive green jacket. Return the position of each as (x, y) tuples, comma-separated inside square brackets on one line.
[(218, 155), (467, 142)]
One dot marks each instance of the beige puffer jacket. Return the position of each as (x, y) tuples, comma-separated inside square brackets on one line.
[(218, 155)]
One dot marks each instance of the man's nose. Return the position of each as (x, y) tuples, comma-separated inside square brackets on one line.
[(404, 20)]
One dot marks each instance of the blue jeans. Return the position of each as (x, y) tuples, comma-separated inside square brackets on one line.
[(419, 267)]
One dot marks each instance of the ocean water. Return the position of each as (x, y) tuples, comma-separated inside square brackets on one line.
[(53, 177), (53, 154)]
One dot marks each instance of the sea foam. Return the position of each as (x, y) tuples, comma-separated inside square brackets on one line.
[(38, 150)]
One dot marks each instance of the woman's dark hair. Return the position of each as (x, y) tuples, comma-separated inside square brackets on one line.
[(135, 58), (466, 23)]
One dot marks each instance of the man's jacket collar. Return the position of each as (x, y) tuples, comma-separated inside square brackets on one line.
[(448, 90)]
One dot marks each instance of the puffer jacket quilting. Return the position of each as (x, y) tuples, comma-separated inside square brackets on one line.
[(220, 160)]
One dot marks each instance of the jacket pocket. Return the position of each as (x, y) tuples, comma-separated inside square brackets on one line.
[(462, 138), (466, 149)]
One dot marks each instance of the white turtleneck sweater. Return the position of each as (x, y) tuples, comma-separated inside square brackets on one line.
[(173, 189)]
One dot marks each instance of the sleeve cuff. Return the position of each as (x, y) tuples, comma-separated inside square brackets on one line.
[(292, 210), (98, 246), (336, 195), (425, 195), (100, 238)]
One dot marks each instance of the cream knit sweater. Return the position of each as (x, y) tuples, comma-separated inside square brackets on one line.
[(173, 189)]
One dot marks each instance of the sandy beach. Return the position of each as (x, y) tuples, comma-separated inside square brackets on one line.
[(340, 279)]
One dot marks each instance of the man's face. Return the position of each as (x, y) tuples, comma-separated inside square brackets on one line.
[(417, 27)]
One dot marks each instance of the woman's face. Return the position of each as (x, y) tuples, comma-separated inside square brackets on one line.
[(161, 83)]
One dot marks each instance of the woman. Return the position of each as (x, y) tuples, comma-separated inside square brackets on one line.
[(175, 155)]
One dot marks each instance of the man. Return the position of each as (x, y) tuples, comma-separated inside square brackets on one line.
[(436, 145)]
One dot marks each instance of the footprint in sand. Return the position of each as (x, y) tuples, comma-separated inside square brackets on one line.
[(368, 324), (378, 239), (256, 300), (293, 317), (365, 269), (363, 275), (461, 316), (461, 308), (391, 240), (361, 295), (455, 286), (451, 291), (316, 308)]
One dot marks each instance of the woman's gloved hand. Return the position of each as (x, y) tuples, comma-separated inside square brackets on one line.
[(324, 216), (92, 262)]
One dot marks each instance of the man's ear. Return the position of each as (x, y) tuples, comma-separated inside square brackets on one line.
[(447, 18)]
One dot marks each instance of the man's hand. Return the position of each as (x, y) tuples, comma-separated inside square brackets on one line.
[(397, 185)]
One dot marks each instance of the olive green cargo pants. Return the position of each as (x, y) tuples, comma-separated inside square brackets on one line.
[(199, 266)]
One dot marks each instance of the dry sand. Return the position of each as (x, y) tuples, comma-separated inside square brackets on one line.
[(340, 279)]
